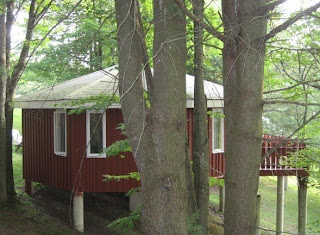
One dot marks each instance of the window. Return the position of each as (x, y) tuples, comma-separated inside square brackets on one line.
[(96, 133), (218, 132), (60, 133)]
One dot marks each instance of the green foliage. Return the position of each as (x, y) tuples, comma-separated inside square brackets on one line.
[(99, 102), (193, 226), (131, 175), (133, 190), (118, 147), (127, 223), (215, 181)]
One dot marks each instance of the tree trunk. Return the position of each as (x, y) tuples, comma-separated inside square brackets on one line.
[(157, 134), (9, 103), (3, 85), (200, 131), (243, 72), (9, 167), (302, 204)]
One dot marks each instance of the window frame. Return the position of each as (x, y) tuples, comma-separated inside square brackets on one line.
[(221, 149), (58, 153), (104, 134)]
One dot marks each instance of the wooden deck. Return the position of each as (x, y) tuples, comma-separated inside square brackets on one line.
[(274, 148)]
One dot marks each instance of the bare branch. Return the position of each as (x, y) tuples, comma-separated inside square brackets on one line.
[(206, 26), (293, 86), (22, 62), (279, 101), (291, 21)]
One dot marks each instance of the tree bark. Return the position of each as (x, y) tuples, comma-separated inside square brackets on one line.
[(157, 134), (3, 85), (200, 131), (9, 104), (302, 204), (243, 72)]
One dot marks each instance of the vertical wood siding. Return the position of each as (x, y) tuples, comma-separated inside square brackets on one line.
[(40, 164)]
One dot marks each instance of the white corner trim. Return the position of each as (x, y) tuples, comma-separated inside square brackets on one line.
[(104, 134)]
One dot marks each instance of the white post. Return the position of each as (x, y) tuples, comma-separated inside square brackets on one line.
[(221, 198), (285, 182), (280, 204), (78, 218), (258, 206), (135, 201)]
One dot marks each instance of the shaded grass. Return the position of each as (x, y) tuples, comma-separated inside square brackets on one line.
[(268, 191)]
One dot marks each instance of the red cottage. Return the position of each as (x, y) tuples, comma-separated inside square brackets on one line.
[(63, 151)]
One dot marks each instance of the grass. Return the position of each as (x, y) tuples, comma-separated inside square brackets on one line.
[(268, 189), (17, 120)]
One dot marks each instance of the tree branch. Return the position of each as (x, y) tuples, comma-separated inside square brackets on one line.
[(293, 86), (273, 5), (290, 21), (279, 101), (206, 26), (22, 62)]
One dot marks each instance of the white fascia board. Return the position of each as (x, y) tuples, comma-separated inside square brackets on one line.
[(51, 105), (210, 103), (58, 104)]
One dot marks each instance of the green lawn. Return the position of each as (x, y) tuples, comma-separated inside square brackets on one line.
[(268, 188), (17, 120)]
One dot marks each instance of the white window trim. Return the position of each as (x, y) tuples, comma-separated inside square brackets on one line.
[(104, 134), (220, 150), (64, 154)]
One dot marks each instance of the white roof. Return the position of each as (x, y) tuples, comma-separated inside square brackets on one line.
[(104, 82)]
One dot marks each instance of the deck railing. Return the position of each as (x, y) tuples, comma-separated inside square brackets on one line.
[(274, 149)]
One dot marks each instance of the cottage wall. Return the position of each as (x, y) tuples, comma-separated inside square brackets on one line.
[(75, 171)]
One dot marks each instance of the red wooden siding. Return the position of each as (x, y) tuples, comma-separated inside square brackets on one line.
[(40, 164), (87, 173), (79, 173), (75, 171)]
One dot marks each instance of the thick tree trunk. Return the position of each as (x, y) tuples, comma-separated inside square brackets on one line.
[(200, 131), (3, 85), (157, 134), (243, 72)]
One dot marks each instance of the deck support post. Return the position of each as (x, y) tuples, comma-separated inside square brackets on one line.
[(258, 206), (280, 204), (29, 187), (221, 198), (135, 201), (302, 205), (78, 213), (285, 182)]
